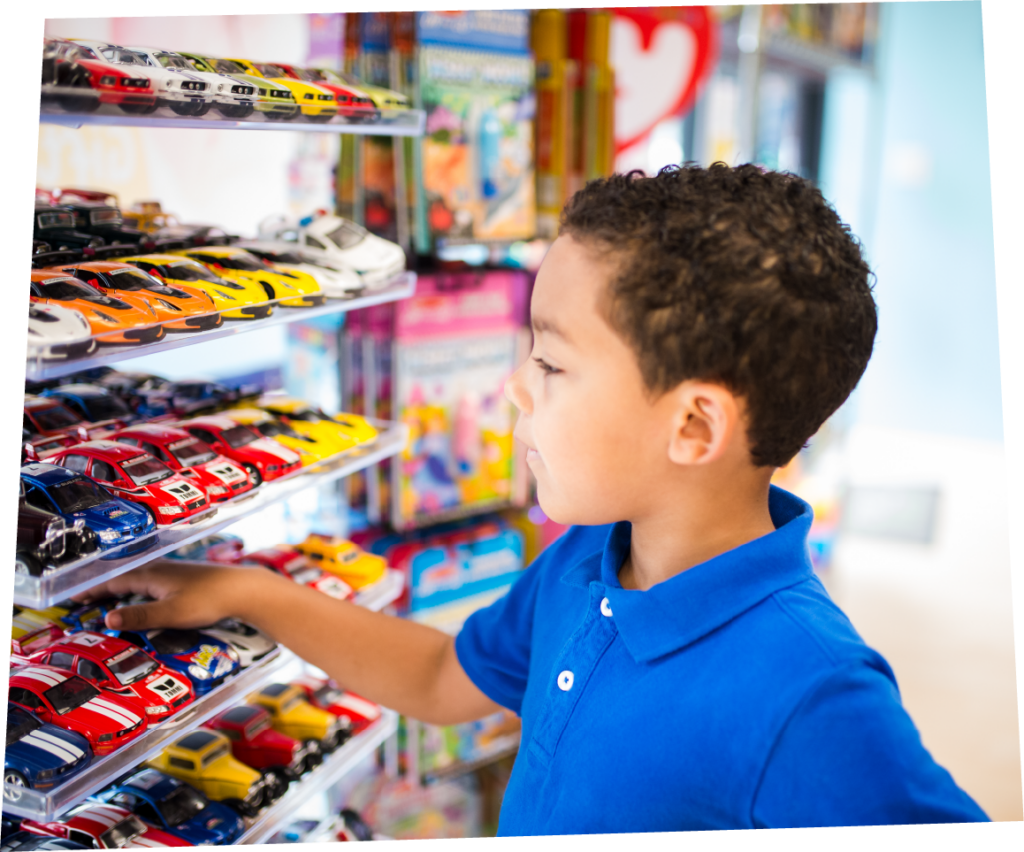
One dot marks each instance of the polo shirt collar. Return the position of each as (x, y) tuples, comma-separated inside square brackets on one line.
[(682, 609)]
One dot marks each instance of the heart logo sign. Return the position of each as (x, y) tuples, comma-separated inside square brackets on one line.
[(661, 57)]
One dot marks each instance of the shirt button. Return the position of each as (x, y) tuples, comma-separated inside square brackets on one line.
[(565, 681), (606, 608)]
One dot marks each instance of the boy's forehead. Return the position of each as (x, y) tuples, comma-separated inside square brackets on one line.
[(568, 286)]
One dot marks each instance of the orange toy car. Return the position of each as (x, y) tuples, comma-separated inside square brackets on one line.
[(125, 319), (181, 307)]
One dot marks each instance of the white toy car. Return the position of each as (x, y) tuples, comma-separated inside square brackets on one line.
[(336, 280), (56, 333), (183, 91), (376, 260), (249, 643), (234, 98)]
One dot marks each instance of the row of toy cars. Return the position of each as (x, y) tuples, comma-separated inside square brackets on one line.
[(80, 75)]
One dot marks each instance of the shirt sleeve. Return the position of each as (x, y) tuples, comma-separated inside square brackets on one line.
[(850, 755)]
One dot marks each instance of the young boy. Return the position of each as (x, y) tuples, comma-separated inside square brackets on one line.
[(675, 661)]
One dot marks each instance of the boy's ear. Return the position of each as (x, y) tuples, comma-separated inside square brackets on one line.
[(705, 419)]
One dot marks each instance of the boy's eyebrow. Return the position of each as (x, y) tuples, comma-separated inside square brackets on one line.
[(548, 327)]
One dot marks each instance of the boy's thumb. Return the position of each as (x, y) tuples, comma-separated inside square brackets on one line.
[(139, 616)]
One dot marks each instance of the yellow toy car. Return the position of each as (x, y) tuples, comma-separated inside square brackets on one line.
[(27, 621), (315, 102), (243, 299), (285, 285), (203, 759), (310, 446), (296, 411), (344, 559), (292, 715)]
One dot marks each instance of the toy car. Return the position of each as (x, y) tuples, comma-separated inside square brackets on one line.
[(219, 547), (49, 418), (46, 541), (187, 455), (289, 287), (297, 566), (376, 260), (62, 71), (344, 558), (184, 93), (36, 448), (57, 333), (194, 654), (262, 458), (30, 620), (93, 404), (176, 807), (273, 102), (100, 219), (381, 97), (129, 90), (337, 282), (298, 412), (134, 475), (39, 755), (250, 644), (107, 720), (100, 826), (180, 307), (311, 448), (74, 497), (353, 103), (232, 97), (257, 744), (291, 714), (23, 841), (315, 103), (55, 226), (203, 759), (115, 664), (124, 319), (352, 709), (192, 397), (241, 299)]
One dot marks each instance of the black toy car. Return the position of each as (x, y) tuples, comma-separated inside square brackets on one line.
[(45, 540), (55, 226)]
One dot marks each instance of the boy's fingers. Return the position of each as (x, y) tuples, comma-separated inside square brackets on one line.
[(140, 616)]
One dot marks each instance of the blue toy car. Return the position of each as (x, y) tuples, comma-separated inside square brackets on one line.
[(24, 841), (176, 807), (40, 755), (203, 659), (63, 492), (93, 403)]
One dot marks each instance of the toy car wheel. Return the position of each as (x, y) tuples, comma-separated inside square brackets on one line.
[(75, 103), (240, 807), (205, 108), (139, 109), (332, 742), (13, 778), (275, 785), (28, 565), (314, 754), (183, 109), (254, 474), (320, 119)]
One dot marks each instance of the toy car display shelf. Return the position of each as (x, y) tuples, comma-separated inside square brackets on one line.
[(334, 767), (26, 802), (85, 108), (62, 583), (402, 286)]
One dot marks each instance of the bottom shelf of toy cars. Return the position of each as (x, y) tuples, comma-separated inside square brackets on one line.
[(334, 767), (58, 585), (24, 802)]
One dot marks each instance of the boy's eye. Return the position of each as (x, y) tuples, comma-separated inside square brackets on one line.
[(546, 367)]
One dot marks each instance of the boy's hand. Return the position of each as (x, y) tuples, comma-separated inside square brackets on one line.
[(186, 594)]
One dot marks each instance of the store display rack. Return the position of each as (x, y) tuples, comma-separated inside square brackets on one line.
[(350, 755), (41, 592), (503, 746), (402, 286)]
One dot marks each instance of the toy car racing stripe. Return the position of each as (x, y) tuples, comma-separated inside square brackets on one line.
[(110, 705), (55, 750), (359, 705), (110, 714), (43, 676), (145, 841), (64, 744), (106, 817)]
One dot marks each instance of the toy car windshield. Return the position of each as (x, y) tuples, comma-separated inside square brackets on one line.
[(175, 641), (268, 70), (123, 833), (107, 216), (77, 495), (242, 262), (347, 234), (58, 417), (327, 694), (310, 76), (130, 666), (216, 754), (277, 256), (172, 60), (189, 270), (20, 725), (291, 703), (237, 436), (228, 66), (107, 407), (191, 452), (182, 805), (70, 694), (120, 56), (69, 289), (145, 470), (272, 428), (55, 219), (133, 280), (258, 727)]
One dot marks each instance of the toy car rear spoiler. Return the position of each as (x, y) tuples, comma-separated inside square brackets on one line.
[(31, 643)]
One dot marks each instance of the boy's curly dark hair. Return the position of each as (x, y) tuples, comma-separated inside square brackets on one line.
[(739, 276)]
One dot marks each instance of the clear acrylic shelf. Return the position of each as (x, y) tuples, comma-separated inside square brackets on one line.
[(334, 767), (85, 108), (58, 585), (402, 286)]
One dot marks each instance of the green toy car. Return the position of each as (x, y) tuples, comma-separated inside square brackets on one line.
[(276, 103)]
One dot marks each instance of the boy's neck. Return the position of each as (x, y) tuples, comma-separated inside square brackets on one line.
[(696, 526)]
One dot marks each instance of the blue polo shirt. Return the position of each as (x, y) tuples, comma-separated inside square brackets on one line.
[(733, 695)]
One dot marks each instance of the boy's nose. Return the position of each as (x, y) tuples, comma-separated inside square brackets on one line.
[(516, 393)]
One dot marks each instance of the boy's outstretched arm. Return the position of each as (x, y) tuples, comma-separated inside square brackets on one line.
[(406, 666)]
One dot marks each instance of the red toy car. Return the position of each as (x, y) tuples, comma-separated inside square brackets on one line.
[(133, 474), (347, 706), (189, 456), (107, 720), (49, 417), (262, 458), (96, 826), (131, 91), (351, 103), (296, 566), (114, 664), (255, 743)]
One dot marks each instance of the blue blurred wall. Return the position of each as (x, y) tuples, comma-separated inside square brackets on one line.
[(905, 161)]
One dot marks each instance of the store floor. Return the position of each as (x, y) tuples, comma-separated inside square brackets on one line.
[(941, 613)]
